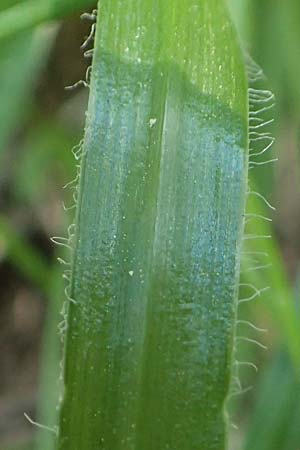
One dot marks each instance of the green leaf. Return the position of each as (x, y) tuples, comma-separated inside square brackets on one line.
[(28, 260), (279, 302), (22, 446), (30, 13), (44, 163), (158, 231), (277, 421), (7, 3), (21, 61), (47, 412)]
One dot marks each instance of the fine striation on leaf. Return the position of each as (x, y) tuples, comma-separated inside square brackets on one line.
[(158, 231)]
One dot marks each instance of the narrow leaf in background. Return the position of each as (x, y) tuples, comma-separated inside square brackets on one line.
[(28, 261), (280, 301), (30, 13), (266, 26), (280, 429), (29, 51)]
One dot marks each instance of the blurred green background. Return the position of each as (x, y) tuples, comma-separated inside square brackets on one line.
[(40, 122)]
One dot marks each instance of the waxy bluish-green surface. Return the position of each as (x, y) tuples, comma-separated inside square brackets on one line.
[(158, 229)]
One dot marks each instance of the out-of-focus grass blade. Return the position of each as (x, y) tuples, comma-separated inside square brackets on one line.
[(292, 438), (240, 10), (289, 41), (29, 261), (23, 446), (275, 422), (30, 13), (48, 395), (45, 162), (34, 268), (158, 230), (279, 301), (7, 3), (264, 22), (255, 20), (275, 25), (20, 60)]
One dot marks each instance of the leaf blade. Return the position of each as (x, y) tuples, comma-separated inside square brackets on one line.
[(156, 262)]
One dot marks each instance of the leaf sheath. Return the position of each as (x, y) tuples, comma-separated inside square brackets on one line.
[(158, 230)]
